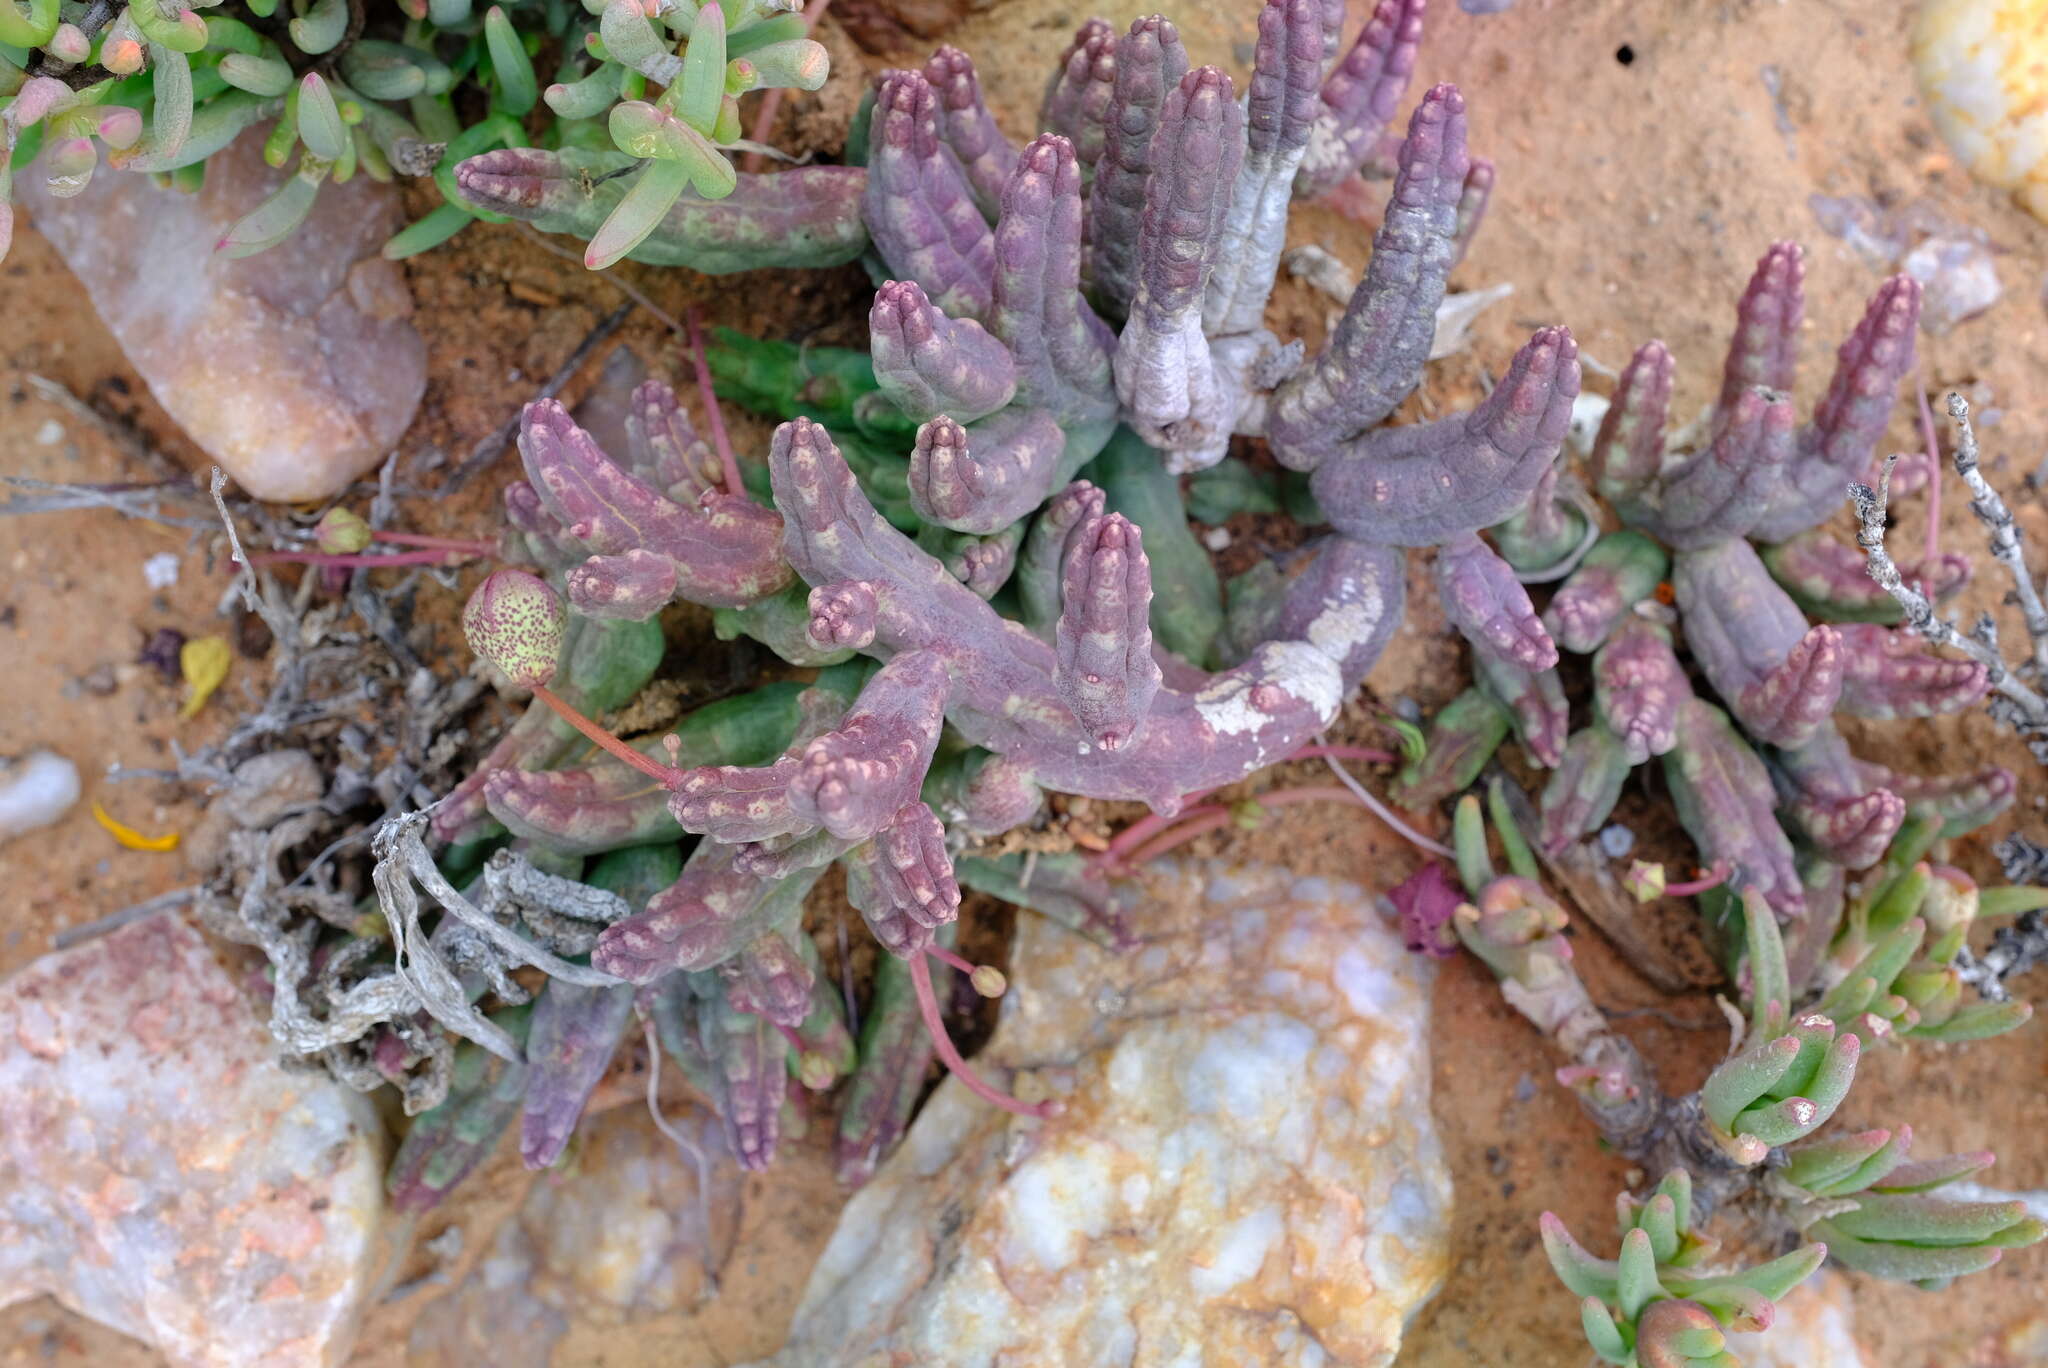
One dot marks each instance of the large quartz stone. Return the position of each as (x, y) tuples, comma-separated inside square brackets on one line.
[(298, 368), (162, 1174), (1246, 1171), (624, 1231)]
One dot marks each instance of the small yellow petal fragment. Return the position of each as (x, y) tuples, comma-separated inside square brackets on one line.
[(204, 662), (129, 836)]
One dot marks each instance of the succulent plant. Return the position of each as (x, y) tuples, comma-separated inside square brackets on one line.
[(162, 85)]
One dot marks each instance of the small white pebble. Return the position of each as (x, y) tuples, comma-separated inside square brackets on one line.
[(50, 433), (1216, 538), (35, 792), (1587, 412), (161, 570), (1616, 841)]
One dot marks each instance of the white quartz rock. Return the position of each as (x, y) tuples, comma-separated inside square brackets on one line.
[(162, 1174), (1246, 1171), (298, 368)]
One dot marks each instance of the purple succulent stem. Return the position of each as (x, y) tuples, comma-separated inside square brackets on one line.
[(574, 1035), (1535, 703), (769, 978), (986, 795), (1621, 570), (968, 128), (902, 881), (1421, 484), (1583, 789), (918, 204), (1837, 446), (1281, 107), (1835, 803), (929, 364), (1962, 802), (1725, 803), (1744, 631), (1105, 673), (853, 780), (982, 563), (631, 586), (1629, 449), (1062, 349), (1361, 96), (1376, 353), (1478, 193), (602, 806), (1488, 605), (1790, 702), (1041, 563), (533, 535), (1426, 902), (1149, 62), (1544, 532), (1164, 377), (1764, 353), (723, 548), (895, 1054), (663, 447), (1638, 685), (707, 916), (749, 1079), (1077, 100), (1003, 696), (843, 615), (1346, 577), (1891, 673), (986, 478), (806, 216), (1831, 579), (1718, 493)]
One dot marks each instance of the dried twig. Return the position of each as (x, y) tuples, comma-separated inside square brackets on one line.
[(2005, 538), (486, 451), (114, 921), (1981, 645)]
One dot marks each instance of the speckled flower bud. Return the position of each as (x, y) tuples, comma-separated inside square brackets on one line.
[(517, 623)]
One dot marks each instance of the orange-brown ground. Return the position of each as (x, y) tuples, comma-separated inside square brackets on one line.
[(1632, 200)]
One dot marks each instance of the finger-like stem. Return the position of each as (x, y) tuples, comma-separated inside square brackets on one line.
[(968, 128), (1638, 685), (918, 204), (1488, 605), (1361, 96), (1375, 355), (853, 780), (1889, 674), (1150, 61), (1062, 350), (1106, 674), (1765, 349), (1077, 100), (1418, 485), (929, 364), (1621, 570)]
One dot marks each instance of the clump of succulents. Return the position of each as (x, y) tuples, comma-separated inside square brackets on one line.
[(1749, 1142), (989, 626), (414, 89), (1723, 546)]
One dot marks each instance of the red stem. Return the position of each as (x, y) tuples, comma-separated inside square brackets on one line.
[(1713, 878), (928, 1007), (1933, 476), (941, 952), (653, 769), (764, 118), (711, 412), (795, 1041), (356, 560), (474, 548)]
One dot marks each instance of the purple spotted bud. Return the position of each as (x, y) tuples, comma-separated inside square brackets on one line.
[(518, 624)]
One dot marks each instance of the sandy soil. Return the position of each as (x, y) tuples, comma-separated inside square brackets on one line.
[(1633, 198)]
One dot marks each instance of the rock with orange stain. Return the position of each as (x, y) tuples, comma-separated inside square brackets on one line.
[(161, 1173), (298, 368), (1246, 1170), (622, 1231)]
